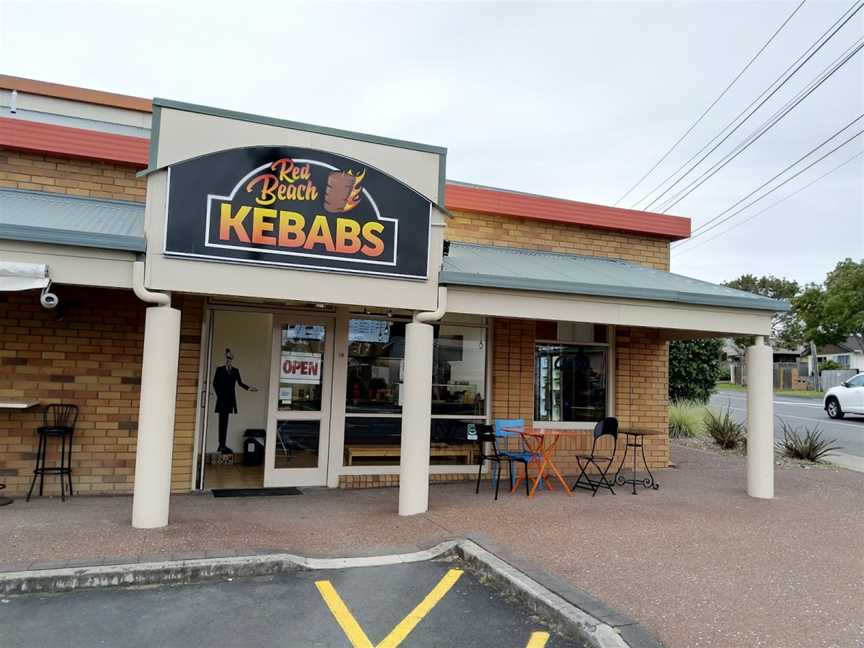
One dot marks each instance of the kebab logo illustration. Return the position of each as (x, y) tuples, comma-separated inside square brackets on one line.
[(279, 207)]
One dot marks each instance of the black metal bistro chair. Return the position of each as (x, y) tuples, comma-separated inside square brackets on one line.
[(58, 421), (607, 427), (486, 435)]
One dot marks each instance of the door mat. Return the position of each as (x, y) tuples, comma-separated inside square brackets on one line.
[(255, 492)]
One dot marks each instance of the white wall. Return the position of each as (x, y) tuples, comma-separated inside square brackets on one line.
[(248, 335)]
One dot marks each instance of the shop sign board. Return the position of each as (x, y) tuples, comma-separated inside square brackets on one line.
[(297, 367), (298, 208)]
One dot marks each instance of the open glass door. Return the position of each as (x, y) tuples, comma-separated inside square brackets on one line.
[(298, 418)]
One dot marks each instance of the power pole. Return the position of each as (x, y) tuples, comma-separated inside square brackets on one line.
[(817, 379)]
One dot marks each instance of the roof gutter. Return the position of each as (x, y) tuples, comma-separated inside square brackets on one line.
[(157, 298)]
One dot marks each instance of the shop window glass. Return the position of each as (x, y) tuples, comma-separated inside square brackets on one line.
[(301, 367), (375, 441), (570, 383), (376, 351), (459, 371)]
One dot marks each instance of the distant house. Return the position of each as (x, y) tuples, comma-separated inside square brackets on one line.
[(783, 359), (848, 354)]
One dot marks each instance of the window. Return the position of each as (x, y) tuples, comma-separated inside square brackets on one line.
[(570, 382), (857, 381), (843, 361), (373, 423), (459, 371), (376, 351)]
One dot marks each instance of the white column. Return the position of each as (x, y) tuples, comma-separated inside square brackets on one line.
[(416, 420), (760, 420), (156, 418)]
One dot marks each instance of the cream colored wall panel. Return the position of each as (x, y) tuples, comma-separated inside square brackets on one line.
[(502, 303), (74, 265), (78, 109), (183, 135)]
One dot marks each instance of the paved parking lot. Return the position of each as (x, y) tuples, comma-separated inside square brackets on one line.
[(422, 604)]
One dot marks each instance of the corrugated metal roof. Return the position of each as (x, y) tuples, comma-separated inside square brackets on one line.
[(517, 269), (70, 220)]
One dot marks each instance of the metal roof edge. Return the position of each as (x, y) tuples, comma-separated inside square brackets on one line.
[(579, 288), (103, 201), (285, 123), (32, 234)]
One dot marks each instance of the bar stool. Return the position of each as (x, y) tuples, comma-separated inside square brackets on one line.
[(58, 420)]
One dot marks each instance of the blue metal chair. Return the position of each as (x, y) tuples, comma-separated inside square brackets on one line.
[(514, 451)]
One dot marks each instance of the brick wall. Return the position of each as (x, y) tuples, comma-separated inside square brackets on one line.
[(641, 362), (46, 173), (92, 357), (507, 231)]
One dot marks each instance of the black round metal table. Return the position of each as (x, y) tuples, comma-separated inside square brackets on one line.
[(4, 500), (636, 439)]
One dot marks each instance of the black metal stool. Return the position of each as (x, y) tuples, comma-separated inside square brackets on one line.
[(58, 420)]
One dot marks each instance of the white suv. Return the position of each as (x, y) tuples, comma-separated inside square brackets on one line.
[(847, 398)]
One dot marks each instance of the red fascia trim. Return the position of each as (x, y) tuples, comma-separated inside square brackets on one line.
[(492, 201), (37, 137)]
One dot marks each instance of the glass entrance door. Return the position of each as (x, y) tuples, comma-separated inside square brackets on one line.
[(298, 419)]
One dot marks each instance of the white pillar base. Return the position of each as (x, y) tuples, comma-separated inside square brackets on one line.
[(416, 420), (156, 418), (760, 420)]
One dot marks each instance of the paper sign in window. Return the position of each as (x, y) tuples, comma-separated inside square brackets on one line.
[(302, 368)]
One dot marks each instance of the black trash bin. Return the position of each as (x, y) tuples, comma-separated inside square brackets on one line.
[(253, 447)]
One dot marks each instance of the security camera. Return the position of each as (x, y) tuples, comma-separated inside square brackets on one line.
[(48, 299)]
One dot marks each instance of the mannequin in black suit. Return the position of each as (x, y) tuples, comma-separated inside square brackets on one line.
[(224, 380)]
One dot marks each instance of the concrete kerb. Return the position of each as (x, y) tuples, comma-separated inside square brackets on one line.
[(556, 609)]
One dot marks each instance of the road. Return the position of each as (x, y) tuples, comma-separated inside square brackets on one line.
[(361, 607), (849, 432)]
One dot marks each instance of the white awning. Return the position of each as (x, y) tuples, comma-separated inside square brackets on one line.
[(23, 276)]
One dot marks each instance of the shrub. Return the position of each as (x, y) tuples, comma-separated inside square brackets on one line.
[(694, 366), (686, 419), (726, 431), (828, 365), (809, 445)]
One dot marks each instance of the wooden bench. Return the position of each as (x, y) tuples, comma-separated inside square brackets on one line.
[(390, 452)]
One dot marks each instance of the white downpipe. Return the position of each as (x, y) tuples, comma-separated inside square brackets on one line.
[(438, 313), (158, 298), (760, 420), (417, 410), (158, 399)]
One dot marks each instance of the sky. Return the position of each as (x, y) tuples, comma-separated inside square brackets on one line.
[(569, 99)]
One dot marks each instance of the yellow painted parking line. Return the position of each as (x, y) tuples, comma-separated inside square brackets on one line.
[(343, 615), (355, 633), (407, 624), (538, 640)]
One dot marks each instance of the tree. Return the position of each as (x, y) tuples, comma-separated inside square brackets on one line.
[(787, 330), (694, 367), (834, 311)]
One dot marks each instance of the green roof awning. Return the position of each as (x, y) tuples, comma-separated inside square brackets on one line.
[(69, 220), (533, 270)]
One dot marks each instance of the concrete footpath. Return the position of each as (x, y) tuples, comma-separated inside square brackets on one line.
[(696, 562)]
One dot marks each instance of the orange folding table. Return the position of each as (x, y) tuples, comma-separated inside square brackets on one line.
[(543, 443)]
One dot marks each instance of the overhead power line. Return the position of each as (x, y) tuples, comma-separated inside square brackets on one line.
[(769, 207), (772, 190), (713, 103), (782, 79), (772, 179), (751, 139)]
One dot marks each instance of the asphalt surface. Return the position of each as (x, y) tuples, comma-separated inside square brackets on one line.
[(288, 610), (849, 431)]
